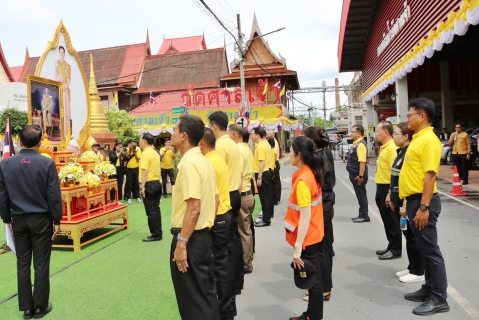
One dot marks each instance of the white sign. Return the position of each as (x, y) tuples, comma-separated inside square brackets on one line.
[(242, 121), (14, 94), (394, 27)]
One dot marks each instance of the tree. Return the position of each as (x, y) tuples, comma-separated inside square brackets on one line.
[(121, 123), (18, 120), (320, 123)]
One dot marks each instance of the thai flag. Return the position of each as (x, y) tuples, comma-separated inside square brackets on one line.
[(289, 96), (278, 84), (8, 149), (152, 99)]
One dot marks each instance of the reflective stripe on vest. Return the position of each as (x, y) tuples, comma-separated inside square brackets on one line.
[(313, 204)]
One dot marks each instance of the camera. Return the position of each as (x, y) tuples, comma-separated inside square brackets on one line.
[(125, 149), (134, 147)]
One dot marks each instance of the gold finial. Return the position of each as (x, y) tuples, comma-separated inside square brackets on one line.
[(98, 123)]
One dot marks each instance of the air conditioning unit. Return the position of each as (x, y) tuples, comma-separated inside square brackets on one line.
[(459, 94), (381, 99)]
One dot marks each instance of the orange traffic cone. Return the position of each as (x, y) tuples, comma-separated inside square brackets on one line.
[(457, 185)]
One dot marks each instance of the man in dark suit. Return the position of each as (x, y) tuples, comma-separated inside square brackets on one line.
[(118, 158), (29, 207), (444, 136)]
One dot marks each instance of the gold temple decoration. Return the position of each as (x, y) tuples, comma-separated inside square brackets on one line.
[(98, 123)]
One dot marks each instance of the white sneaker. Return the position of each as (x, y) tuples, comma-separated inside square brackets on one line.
[(411, 278), (259, 218), (138, 200), (400, 274), (129, 201)]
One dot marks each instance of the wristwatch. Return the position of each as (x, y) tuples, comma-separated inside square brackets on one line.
[(424, 207), (360, 177), (182, 239)]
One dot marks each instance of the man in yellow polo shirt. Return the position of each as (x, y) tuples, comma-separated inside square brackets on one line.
[(387, 155), (132, 173), (261, 159), (150, 186), (417, 184), (221, 230), (228, 150), (167, 154), (194, 207), (241, 137), (358, 171), (277, 181), (461, 152)]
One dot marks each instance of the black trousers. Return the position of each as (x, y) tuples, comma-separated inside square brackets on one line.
[(252, 221), (195, 289), (224, 280), (327, 265), (313, 253), (120, 172), (152, 207), (33, 237), (132, 184), (416, 265), (390, 220), (426, 239), (265, 196), (272, 191), (236, 247), (361, 194), (460, 161), (170, 173), (277, 184)]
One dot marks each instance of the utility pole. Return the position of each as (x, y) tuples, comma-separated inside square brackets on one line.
[(242, 81), (324, 104), (311, 121)]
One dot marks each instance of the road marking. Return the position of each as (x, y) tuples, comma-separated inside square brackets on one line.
[(453, 293), (287, 179), (458, 200)]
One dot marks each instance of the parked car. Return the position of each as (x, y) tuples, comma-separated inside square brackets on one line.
[(344, 147), (474, 160), (446, 152)]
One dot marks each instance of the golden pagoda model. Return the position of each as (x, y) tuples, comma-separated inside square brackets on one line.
[(99, 131)]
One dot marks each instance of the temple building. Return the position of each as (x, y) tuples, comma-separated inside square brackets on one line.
[(409, 49)]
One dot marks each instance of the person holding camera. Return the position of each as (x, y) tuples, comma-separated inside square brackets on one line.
[(132, 172), (118, 158), (167, 155)]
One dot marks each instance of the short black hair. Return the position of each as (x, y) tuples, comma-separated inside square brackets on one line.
[(148, 138), (209, 138), (220, 119), (424, 104), (30, 136), (118, 143), (360, 129), (260, 132), (245, 135), (459, 124), (193, 126), (387, 125), (270, 141), (236, 128)]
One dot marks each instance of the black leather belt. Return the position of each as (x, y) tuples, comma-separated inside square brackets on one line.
[(175, 231), (416, 196), (247, 193)]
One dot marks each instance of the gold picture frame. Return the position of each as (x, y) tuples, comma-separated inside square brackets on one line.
[(45, 108)]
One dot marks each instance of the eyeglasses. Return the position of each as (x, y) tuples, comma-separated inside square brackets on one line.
[(409, 115)]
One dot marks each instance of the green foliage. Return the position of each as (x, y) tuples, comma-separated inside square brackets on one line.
[(121, 123), (320, 122), (19, 119)]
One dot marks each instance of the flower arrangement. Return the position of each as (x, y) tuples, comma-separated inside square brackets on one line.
[(90, 180), (104, 168), (72, 172), (90, 156)]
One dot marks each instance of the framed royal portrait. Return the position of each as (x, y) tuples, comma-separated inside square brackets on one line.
[(45, 108)]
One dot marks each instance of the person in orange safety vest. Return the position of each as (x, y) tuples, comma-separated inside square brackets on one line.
[(304, 221)]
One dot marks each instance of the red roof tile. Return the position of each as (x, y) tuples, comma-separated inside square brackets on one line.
[(16, 72), (175, 45), (168, 100), (202, 69), (4, 63)]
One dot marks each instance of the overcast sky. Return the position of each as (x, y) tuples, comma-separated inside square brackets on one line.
[(309, 43)]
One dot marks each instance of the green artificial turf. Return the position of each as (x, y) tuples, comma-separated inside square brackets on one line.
[(118, 276)]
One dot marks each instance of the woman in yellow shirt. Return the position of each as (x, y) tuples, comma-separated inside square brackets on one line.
[(304, 223)]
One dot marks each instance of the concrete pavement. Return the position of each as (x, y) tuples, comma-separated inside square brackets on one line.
[(364, 287)]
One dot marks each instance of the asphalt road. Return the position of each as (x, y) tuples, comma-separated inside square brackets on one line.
[(364, 287)]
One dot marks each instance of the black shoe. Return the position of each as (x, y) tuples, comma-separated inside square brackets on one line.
[(464, 183), (151, 239), (165, 196), (381, 252), (334, 253), (248, 271), (276, 203), (28, 314), (418, 296), (388, 256), (40, 313), (262, 224), (431, 306), (301, 317), (271, 216), (357, 220)]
